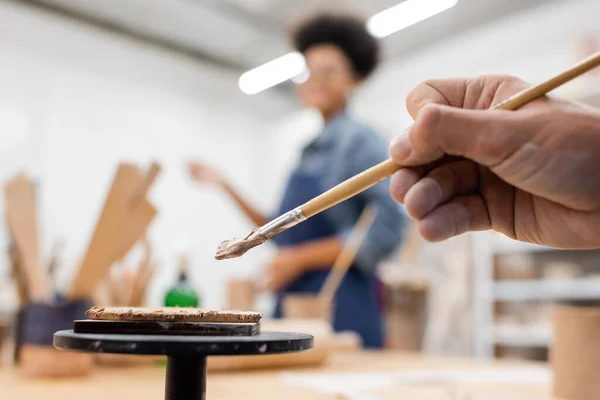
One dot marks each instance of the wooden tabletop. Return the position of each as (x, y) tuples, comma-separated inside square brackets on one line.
[(148, 382)]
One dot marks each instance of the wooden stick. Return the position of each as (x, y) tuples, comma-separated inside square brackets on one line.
[(376, 174), (99, 255), (135, 225), (21, 215), (344, 260), (144, 186), (540, 90)]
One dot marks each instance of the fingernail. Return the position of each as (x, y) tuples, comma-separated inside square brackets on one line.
[(400, 148)]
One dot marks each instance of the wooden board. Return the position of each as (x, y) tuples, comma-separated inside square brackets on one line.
[(144, 186), (124, 220), (21, 214), (101, 250), (135, 224)]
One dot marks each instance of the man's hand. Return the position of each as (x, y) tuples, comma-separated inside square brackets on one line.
[(532, 174), (282, 270)]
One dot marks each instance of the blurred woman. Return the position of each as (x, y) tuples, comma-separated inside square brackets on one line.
[(340, 54)]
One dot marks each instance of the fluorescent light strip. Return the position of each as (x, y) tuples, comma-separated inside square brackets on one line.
[(293, 65), (405, 14), (272, 73)]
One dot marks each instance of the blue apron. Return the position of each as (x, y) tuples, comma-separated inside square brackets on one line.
[(356, 305)]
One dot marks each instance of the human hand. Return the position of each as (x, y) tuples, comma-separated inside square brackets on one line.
[(532, 174), (282, 270), (204, 173)]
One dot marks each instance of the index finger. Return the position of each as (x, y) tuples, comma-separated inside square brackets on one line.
[(448, 92), (473, 93)]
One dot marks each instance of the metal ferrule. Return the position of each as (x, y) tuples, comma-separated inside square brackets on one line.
[(280, 223)]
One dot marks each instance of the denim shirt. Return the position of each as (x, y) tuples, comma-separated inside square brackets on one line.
[(343, 149)]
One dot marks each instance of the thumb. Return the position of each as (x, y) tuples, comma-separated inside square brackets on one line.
[(485, 136)]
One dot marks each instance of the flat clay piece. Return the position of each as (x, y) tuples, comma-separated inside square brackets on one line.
[(166, 328), (172, 314)]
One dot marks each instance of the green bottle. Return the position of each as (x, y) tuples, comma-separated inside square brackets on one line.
[(182, 294)]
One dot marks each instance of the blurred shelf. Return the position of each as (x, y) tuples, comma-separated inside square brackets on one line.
[(572, 289), (523, 335)]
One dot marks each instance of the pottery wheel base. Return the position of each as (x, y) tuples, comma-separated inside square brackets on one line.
[(186, 355)]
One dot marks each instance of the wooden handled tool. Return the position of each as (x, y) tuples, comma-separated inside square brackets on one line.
[(372, 176), (346, 257)]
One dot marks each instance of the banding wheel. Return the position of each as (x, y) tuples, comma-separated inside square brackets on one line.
[(186, 355)]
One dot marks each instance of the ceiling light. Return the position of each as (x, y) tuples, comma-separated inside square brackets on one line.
[(302, 76), (405, 14), (272, 73)]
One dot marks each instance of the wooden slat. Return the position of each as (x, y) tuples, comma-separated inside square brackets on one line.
[(144, 186), (99, 255), (21, 214), (135, 224)]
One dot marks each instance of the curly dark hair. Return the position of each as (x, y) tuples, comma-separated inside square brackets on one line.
[(346, 32)]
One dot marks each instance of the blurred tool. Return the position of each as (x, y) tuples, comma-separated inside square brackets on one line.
[(351, 187)]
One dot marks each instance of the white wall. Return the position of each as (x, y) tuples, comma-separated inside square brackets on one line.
[(74, 102)]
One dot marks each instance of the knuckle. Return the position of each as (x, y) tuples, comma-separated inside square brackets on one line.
[(429, 119), (424, 134), (421, 95), (416, 97)]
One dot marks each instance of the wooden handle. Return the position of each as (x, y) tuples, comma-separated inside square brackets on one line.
[(346, 257), (376, 174), (350, 187), (537, 91)]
